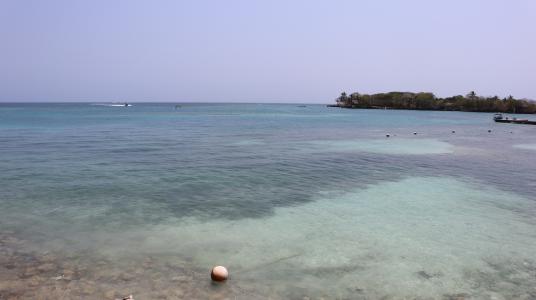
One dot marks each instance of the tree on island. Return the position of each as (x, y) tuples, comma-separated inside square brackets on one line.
[(343, 99), (471, 95), (428, 101)]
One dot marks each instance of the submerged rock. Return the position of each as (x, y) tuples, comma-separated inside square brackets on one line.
[(460, 296), (47, 267), (110, 295), (424, 275)]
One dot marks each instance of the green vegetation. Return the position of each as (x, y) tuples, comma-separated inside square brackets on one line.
[(428, 101)]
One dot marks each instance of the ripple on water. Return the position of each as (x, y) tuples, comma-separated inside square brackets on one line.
[(526, 146), (249, 142), (400, 146)]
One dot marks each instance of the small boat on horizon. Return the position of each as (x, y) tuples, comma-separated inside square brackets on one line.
[(114, 104), (498, 117)]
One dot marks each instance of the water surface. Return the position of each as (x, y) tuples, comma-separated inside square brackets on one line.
[(102, 201)]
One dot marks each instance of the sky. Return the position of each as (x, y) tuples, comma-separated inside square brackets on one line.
[(263, 51)]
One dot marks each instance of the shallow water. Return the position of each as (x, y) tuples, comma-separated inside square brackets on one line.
[(395, 146), (296, 202), (526, 146)]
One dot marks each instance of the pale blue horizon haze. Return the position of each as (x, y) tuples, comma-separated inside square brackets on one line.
[(262, 51)]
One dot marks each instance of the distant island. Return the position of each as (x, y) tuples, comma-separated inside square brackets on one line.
[(428, 101)]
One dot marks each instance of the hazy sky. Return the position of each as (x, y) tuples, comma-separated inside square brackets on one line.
[(263, 51)]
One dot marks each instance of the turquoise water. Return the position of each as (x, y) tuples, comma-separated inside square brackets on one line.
[(295, 201)]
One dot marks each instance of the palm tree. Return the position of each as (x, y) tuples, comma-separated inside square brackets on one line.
[(343, 99), (512, 103), (471, 95)]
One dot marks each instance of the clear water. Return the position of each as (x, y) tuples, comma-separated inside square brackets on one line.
[(296, 201)]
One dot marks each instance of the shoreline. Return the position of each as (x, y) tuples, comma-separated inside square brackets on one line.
[(418, 109)]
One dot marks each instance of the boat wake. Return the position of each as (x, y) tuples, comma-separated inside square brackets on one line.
[(113, 104)]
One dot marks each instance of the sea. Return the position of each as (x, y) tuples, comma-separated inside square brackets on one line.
[(99, 201)]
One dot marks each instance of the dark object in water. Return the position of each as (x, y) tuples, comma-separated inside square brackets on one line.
[(460, 296), (499, 119), (424, 275)]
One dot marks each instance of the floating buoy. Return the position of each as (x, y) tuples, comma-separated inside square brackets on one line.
[(219, 273), (489, 130), (414, 133), (387, 135), (453, 131)]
